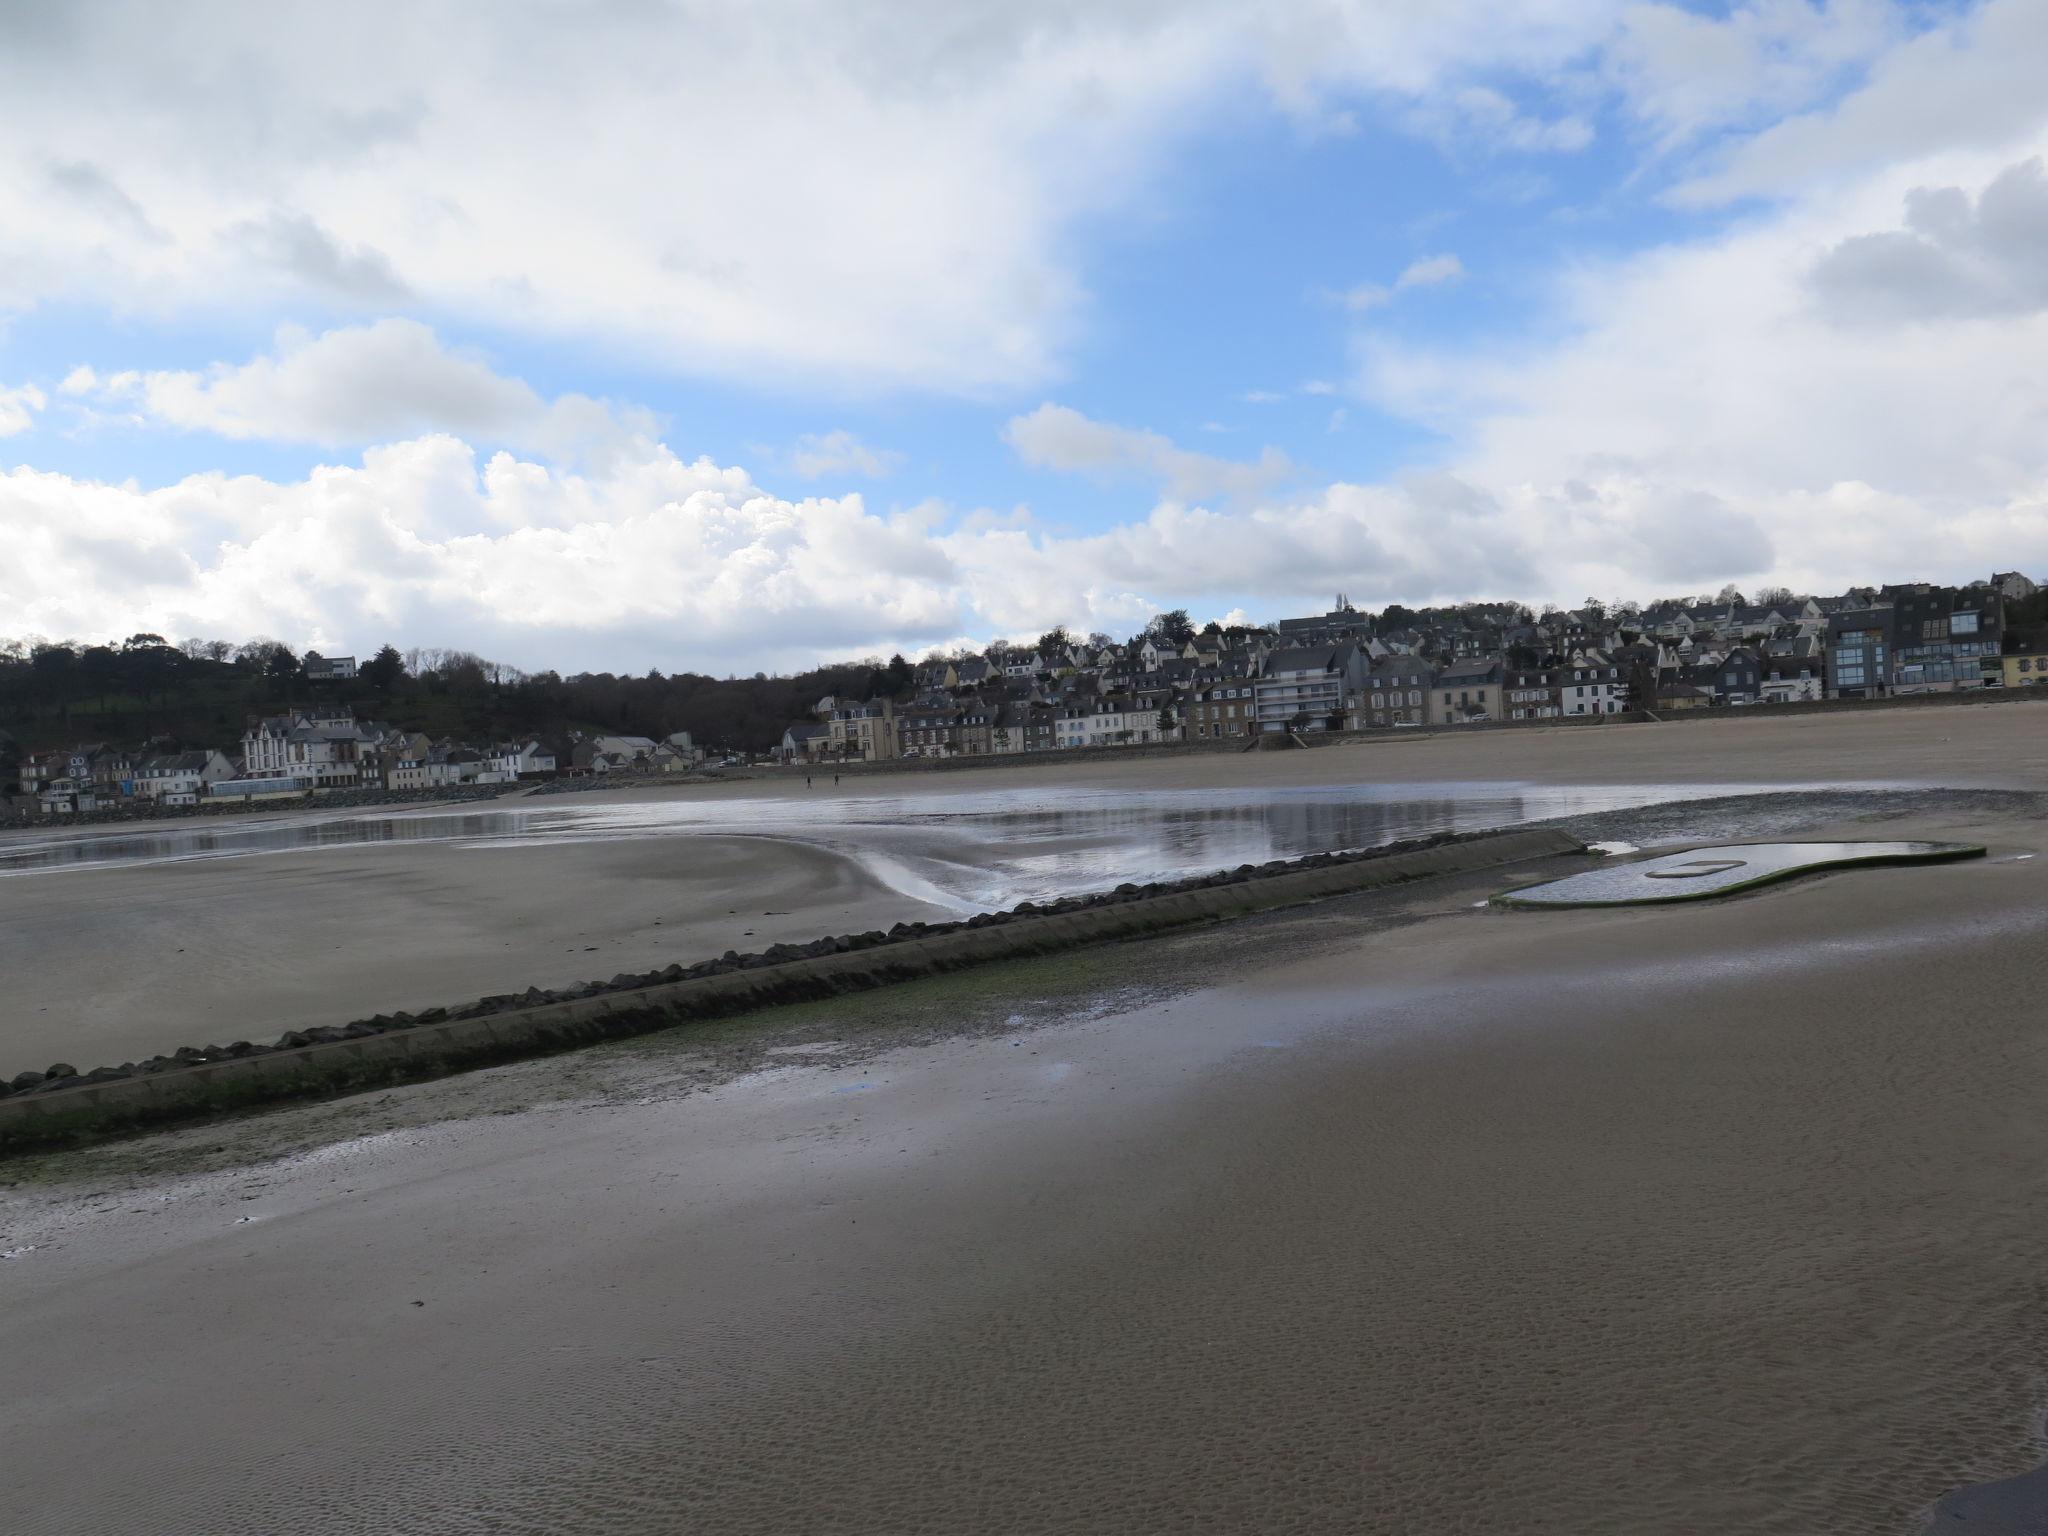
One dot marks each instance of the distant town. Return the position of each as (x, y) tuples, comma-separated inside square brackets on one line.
[(1346, 670)]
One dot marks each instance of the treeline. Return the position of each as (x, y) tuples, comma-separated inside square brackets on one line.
[(201, 692)]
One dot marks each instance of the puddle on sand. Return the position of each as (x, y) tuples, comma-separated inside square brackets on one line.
[(2013, 1506), (1699, 872)]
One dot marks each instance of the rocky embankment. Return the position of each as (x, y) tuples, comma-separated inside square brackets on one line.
[(541, 1018)]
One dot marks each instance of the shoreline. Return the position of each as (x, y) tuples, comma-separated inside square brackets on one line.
[(117, 963)]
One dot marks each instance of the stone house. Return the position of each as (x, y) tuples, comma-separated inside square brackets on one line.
[(1466, 693)]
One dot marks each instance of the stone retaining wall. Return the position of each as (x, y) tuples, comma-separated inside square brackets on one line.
[(404, 1047)]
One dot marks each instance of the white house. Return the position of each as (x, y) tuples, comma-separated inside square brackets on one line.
[(328, 669), (323, 747), (1591, 685), (520, 759)]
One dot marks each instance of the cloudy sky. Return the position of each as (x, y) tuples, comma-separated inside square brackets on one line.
[(719, 337)]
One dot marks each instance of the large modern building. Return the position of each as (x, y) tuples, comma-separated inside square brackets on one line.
[(1945, 639), (1916, 639), (1309, 689)]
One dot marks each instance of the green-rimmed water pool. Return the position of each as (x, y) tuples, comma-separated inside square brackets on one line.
[(1701, 872)]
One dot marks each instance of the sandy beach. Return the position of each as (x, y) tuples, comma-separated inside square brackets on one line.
[(108, 964), (1396, 1214)]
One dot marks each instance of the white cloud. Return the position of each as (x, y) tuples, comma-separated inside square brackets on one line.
[(363, 384), (1060, 438), (1424, 272), (1429, 271), (1969, 85), (654, 561), (1694, 413), (1708, 415), (840, 452), (1262, 396), (1483, 113), (785, 190), (789, 190), (1365, 296), (1684, 73), (18, 408)]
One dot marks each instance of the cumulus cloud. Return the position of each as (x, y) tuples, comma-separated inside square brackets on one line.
[(361, 384), (783, 190), (840, 452), (1691, 413), (18, 408), (1703, 419), (655, 561), (1060, 438), (1955, 257)]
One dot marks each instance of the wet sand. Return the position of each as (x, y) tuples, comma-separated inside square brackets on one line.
[(1402, 1216), (111, 964), (103, 966)]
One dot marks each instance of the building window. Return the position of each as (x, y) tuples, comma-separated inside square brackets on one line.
[(1962, 624)]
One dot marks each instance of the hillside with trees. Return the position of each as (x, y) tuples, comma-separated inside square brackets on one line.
[(202, 693)]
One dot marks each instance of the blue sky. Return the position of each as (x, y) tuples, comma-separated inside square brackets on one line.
[(687, 339)]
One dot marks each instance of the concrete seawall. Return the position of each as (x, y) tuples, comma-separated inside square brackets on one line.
[(428, 1049)]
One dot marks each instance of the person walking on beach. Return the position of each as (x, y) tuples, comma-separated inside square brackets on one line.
[(807, 781), (835, 781)]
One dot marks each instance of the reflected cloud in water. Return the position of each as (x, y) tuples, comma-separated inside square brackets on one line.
[(968, 851)]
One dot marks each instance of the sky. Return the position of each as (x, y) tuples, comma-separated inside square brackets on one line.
[(723, 338)]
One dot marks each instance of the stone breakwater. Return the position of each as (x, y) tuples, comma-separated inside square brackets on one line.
[(323, 800), (61, 1100)]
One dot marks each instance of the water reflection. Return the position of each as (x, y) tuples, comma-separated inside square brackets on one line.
[(961, 849), (1713, 871)]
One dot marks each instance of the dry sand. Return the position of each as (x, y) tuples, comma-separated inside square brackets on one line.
[(1989, 744), (1401, 1216)]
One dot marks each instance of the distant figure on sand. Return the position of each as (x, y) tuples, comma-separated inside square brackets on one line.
[(807, 781)]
